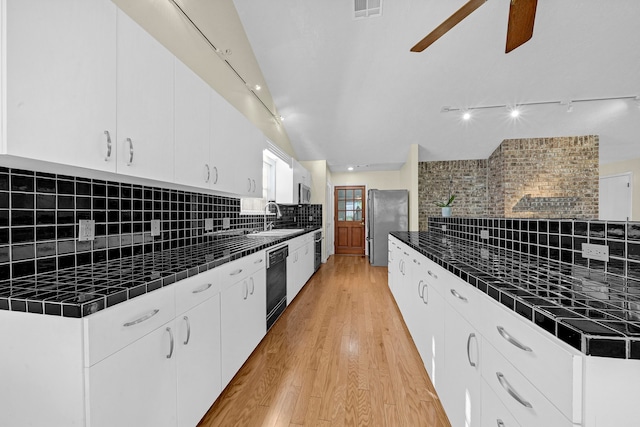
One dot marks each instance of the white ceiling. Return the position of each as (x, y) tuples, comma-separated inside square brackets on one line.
[(351, 92)]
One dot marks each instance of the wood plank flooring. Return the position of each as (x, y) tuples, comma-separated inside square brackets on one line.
[(340, 355)]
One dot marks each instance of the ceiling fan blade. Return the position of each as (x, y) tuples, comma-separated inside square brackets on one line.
[(522, 14), (448, 24)]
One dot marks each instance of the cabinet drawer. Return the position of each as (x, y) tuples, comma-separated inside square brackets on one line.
[(555, 369), (234, 271), (194, 290), (461, 295), (494, 413), (114, 328), (528, 406)]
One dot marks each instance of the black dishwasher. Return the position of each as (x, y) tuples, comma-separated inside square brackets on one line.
[(276, 283)]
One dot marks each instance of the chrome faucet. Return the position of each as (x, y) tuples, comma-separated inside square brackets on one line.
[(266, 209)]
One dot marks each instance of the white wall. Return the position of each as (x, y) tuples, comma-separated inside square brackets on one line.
[(626, 166)]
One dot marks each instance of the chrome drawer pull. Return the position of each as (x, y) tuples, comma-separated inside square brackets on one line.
[(235, 273), (258, 261), (471, 335), (147, 316), (170, 343), (108, 156), (505, 384), (432, 274), (186, 319), (457, 295), (500, 423), (512, 340), (201, 288)]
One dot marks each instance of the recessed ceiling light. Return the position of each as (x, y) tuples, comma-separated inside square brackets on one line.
[(258, 87), (466, 115), (350, 168), (514, 113)]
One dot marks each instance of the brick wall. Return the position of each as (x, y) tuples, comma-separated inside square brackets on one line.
[(467, 179), (545, 178), (523, 178)]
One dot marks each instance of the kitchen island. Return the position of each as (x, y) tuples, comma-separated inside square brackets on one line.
[(507, 335)]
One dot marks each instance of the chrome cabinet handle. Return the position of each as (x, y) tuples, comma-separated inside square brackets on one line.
[(254, 185), (130, 142), (170, 343), (432, 274), (406, 254), (253, 285), (215, 169), (246, 289), (249, 188), (207, 173), (258, 261), (425, 293), (505, 384), (108, 156), (186, 319), (236, 272), (420, 288), (141, 319), (512, 340), (500, 423), (471, 335), (201, 288), (457, 295)]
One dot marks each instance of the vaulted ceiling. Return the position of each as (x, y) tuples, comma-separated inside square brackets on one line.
[(351, 92)]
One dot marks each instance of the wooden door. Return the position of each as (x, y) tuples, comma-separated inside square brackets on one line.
[(350, 217)]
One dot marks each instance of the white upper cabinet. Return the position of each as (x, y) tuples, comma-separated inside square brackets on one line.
[(236, 151), (192, 128), (145, 103), (60, 65)]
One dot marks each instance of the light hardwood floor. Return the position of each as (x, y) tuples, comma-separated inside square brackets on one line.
[(339, 356)]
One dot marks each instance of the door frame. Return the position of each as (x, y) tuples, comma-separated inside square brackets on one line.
[(364, 216)]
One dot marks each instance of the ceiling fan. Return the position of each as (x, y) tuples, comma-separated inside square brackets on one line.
[(522, 14)]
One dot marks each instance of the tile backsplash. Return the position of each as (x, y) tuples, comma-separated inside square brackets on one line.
[(557, 240), (39, 215)]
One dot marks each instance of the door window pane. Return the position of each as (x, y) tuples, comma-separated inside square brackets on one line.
[(341, 205), (340, 215), (350, 194), (357, 194), (341, 194)]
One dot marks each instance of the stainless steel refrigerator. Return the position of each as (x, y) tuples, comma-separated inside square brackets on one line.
[(387, 210)]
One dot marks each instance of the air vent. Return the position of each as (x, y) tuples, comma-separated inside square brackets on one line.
[(367, 8)]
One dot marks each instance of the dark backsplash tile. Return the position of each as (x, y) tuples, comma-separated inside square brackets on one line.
[(39, 215)]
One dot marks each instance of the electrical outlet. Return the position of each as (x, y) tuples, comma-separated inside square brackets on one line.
[(444, 227), (155, 227), (484, 234), (310, 218), (599, 252), (86, 230), (484, 253), (226, 223), (208, 224)]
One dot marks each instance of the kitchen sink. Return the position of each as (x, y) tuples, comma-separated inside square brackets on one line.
[(276, 233)]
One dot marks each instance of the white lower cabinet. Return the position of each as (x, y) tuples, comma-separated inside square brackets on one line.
[(165, 374), (460, 389), (300, 264), (198, 361), (243, 321), (137, 385), (494, 413)]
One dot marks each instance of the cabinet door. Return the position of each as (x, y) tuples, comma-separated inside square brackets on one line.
[(192, 127), (145, 103), (137, 385), (460, 386), (243, 322), (430, 338), (225, 155), (61, 81), (249, 171), (198, 361), (293, 275)]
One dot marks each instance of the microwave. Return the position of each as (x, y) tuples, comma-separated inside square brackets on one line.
[(304, 194)]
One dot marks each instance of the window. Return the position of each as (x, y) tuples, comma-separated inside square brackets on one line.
[(349, 205)]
